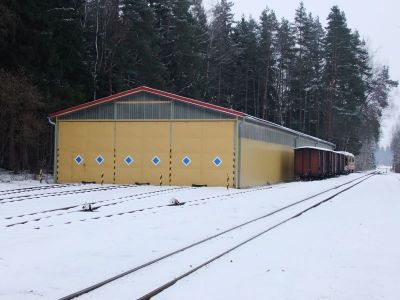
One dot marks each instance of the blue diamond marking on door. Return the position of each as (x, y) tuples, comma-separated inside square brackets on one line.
[(217, 161), (128, 160), (78, 159), (99, 159), (186, 161), (155, 160)]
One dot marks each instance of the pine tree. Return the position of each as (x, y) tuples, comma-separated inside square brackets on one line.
[(314, 96), (285, 45), (201, 41), (45, 38), (301, 71), (268, 56), (103, 35), (395, 147), (245, 84), (343, 78), (21, 122), (138, 58), (184, 59), (220, 71)]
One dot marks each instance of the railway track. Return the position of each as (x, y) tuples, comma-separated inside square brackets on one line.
[(62, 193), (68, 209), (192, 202), (150, 264), (149, 208), (125, 199), (37, 188)]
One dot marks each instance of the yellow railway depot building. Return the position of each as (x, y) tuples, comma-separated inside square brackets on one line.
[(145, 135)]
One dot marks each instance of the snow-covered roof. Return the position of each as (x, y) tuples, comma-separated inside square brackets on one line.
[(315, 148), (324, 149), (345, 153)]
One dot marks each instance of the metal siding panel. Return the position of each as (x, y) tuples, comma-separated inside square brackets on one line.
[(142, 141), (202, 142), (265, 134), (145, 106), (264, 163), (88, 139), (100, 112)]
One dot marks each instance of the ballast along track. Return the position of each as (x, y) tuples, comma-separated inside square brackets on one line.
[(168, 284), (62, 193), (37, 188)]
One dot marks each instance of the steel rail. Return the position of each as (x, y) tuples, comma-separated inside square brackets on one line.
[(118, 202), (61, 193), (126, 197), (36, 188)]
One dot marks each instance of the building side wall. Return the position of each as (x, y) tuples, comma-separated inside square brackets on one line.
[(87, 139), (170, 141), (202, 142), (264, 163), (142, 141)]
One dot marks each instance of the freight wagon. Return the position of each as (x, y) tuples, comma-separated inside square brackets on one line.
[(318, 163)]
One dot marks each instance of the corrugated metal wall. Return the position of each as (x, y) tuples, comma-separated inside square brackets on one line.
[(145, 106), (265, 134), (278, 136), (100, 112), (303, 141)]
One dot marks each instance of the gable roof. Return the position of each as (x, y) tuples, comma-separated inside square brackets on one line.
[(151, 91), (182, 99)]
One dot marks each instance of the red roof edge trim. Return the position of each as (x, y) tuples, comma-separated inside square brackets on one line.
[(149, 90)]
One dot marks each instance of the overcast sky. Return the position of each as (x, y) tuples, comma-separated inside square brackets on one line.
[(377, 22)]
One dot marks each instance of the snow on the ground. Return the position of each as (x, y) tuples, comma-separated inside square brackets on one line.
[(344, 249), (9, 180)]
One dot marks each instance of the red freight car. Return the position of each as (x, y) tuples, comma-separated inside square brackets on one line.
[(311, 162), (339, 169)]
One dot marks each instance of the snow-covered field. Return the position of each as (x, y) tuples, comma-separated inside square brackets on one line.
[(346, 248)]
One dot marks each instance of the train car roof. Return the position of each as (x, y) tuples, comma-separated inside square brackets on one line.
[(315, 148), (345, 153), (325, 149)]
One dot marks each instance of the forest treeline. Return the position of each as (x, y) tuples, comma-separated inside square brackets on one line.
[(300, 74), (395, 146)]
